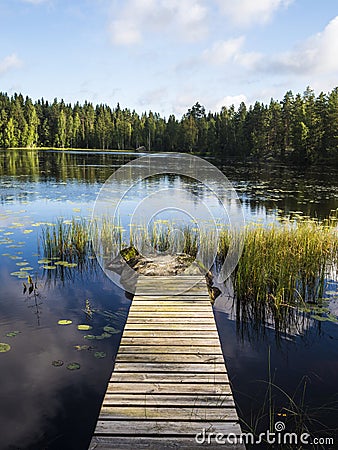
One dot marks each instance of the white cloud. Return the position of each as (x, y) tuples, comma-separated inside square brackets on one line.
[(229, 100), (10, 62), (185, 18), (317, 54), (230, 50), (248, 12), (224, 51)]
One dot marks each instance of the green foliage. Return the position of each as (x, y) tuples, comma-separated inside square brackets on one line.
[(302, 128)]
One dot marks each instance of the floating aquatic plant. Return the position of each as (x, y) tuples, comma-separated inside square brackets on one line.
[(4, 347), (100, 355), (83, 347), (111, 330), (13, 333), (64, 322), (90, 336), (57, 363), (84, 327), (73, 366)]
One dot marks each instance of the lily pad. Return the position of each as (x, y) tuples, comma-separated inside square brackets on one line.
[(4, 347), (111, 330), (84, 327), (44, 261), (49, 267), (83, 347), (100, 355), (65, 322), (73, 366), (57, 363), (90, 336), (13, 333)]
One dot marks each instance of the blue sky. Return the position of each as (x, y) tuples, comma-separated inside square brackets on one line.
[(165, 55)]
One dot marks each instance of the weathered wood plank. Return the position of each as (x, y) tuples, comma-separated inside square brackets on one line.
[(167, 357), (171, 333), (169, 388), (167, 308), (156, 443), (186, 320), (184, 400), (174, 298), (166, 413), (182, 349), (169, 326), (164, 313), (212, 367), (162, 341), (139, 428), (154, 377), (193, 302)]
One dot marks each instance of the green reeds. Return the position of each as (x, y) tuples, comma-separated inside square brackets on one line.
[(284, 263), (69, 240), (281, 264)]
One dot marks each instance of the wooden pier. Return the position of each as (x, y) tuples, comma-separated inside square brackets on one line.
[(169, 381)]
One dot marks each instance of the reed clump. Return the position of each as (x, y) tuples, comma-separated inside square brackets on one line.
[(69, 240), (281, 264), (284, 263)]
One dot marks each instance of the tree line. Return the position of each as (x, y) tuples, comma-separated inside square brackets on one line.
[(300, 127)]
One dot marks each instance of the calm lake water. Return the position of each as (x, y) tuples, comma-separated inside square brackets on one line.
[(45, 404)]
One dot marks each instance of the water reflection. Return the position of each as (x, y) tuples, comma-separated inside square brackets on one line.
[(40, 402), (263, 189), (43, 406)]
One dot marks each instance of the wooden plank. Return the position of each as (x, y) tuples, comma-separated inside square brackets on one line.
[(193, 400), (167, 308), (168, 326), (212, 367), (174, 298), (154, 377), (156, 443), (162, 341), (171, 333), (182, 349), (164, 313), (167, 413), (167, 357), (186, 320), (186, 293), (127, 427), (172, 302), (169, 388)]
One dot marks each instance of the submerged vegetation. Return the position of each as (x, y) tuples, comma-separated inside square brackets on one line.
[(286, 263)]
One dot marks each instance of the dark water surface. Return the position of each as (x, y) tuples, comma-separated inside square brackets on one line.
[(45, 406)]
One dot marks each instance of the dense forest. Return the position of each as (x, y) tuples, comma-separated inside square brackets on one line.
[(301, 128)]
